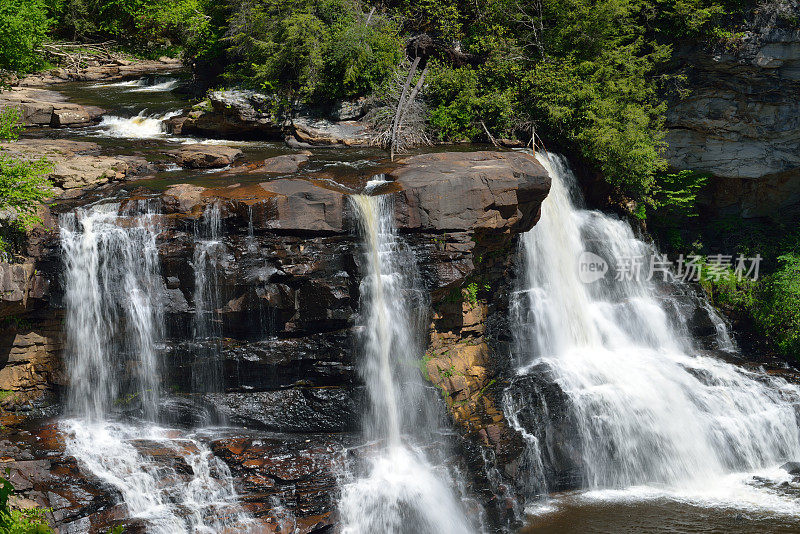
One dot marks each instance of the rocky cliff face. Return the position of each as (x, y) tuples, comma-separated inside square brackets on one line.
[(741, 119), (287, 285)]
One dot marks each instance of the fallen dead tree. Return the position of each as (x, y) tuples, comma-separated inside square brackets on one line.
[(74, 56), (398, 113)]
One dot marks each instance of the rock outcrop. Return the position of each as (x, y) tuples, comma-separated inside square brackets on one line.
[(98, 69), (741, 119), (42, 107), (199, 156), (76, 164), (288, 268), (238, 114)]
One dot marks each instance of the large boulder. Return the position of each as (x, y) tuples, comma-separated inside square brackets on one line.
[(312, 132), (200, 156), (458, 191), (285, 164), (239, 113), (234, 114)]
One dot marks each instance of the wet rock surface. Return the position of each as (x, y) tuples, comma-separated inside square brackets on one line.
[(76, 164), (288, 268), (283, 480)]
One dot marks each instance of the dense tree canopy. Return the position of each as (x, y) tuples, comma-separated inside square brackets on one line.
[(585, 74)]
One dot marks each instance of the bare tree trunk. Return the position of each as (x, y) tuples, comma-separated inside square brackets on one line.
[(490, 136), (408, 103), (400, 105)]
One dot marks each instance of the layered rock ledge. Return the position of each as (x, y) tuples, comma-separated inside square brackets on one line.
[(289, 265), (237, 114), (741, 120)]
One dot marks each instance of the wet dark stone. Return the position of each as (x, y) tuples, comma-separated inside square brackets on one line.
[(297, 409), (793, 468)]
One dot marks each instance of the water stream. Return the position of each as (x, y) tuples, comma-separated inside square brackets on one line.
[(166, 478), (208, 256), (650, 414), (400, 490)]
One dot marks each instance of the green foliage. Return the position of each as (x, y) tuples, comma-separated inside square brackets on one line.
[(673, 203), (31, 521), (10, 126), (772, 303), (777, 308), (23, 27), (147, 26), (675, 194), (23, 185), (312, 51), (461, 98), (440, 17), (470, 292)]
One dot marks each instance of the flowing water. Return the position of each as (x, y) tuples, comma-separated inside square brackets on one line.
[(208, 256), (649, 414), (112, 298), (113, 288), (400, 490)]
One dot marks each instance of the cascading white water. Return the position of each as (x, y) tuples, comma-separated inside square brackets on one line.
[(113, 322), (402, 491), (167, 85), (195, 495), (650, 409), (141, 126), (208, 251), (113, 318)]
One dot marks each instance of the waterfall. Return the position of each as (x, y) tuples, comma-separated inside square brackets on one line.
[(401, 490), (113, 316), (141, 126), (208, 255), (113, 322), (647, 407)]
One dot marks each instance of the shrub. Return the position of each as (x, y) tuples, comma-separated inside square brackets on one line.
[(31, 521), (777, 306), (23, 27), (23, 185), (772, 303)]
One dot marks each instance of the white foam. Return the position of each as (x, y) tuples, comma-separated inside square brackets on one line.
[(202, 501), (156, 88), (139, 127)]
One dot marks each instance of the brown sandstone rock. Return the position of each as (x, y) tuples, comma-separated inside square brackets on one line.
[(199, 156), (302, 205), (285, 164), (183, 198), (453, 191)]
